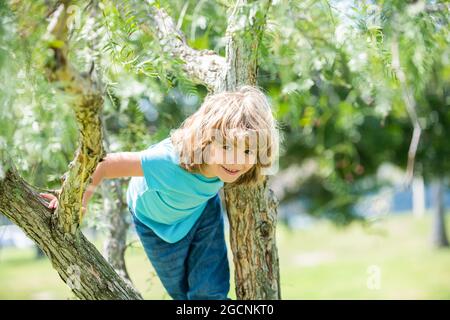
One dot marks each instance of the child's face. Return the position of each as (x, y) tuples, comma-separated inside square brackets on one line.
[(229, 162)]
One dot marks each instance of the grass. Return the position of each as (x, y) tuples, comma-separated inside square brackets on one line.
[(323, 262)]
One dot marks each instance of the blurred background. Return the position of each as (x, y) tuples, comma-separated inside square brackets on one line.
[(363, 208)]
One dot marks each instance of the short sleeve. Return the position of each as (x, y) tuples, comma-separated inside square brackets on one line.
[(157, 167)]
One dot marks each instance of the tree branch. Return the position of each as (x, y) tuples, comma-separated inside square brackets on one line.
[(76, 260), (79, 264), (87, 102), (204, 66), (411, 106), (244, 33)]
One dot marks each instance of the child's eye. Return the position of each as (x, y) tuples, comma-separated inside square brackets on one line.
[(248, 152), (227, 147)]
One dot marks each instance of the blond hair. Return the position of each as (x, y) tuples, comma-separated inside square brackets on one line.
[(243, 113)]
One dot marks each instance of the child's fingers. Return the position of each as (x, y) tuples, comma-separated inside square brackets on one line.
[(53, 204), (47, 196), (53, 200)]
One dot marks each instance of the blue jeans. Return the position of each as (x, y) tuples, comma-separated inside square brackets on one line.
[(196, 267)]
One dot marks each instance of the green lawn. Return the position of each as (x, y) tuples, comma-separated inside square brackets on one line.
[(323, 262)]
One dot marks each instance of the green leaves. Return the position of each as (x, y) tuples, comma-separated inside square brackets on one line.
[(326, 66)]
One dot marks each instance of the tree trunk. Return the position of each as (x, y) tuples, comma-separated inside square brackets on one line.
[(252, 217), (439, 236), (252, 211), (77, 261), (115, 212)]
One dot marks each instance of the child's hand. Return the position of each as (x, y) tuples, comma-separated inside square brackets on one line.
[(53, 200), (53, 204)]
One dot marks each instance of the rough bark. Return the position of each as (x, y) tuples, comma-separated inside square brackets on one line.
[(439, 235), (243, 43), (87, 101), (252, 211), (252, 214), (203, 66), (77, 261)]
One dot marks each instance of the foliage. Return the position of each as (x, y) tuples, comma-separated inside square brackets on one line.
[(326, 66)]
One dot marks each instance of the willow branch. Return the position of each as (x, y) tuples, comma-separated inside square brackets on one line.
[(203, 66)]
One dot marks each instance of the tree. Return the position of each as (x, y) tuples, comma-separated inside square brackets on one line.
[(77, 261), (59, 235)]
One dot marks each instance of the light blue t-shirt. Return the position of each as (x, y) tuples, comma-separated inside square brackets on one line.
[(168, 199)]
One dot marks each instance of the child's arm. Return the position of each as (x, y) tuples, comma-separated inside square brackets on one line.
[(114, 165)]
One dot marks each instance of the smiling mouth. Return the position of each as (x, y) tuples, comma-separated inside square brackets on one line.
[(231, 172)]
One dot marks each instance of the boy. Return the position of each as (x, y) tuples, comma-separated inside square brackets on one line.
[(173, 193)]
